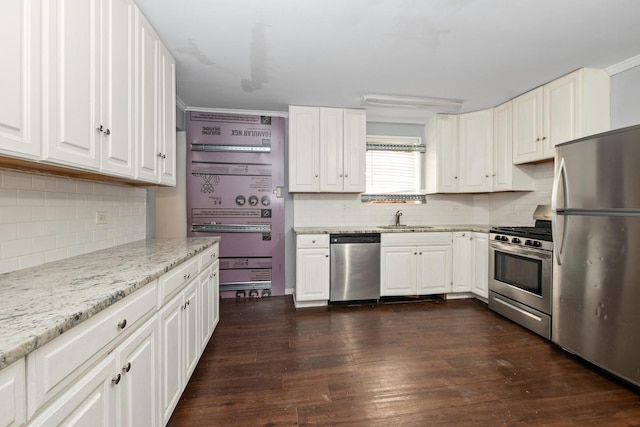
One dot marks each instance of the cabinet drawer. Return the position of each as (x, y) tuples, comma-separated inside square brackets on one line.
[(401, 239), (209, 255), (176, 278), (312, 241), (52, 366)]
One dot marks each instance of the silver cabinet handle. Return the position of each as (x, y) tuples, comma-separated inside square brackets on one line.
[(127, 367), (116, 380), (187, 275), (122, 323)]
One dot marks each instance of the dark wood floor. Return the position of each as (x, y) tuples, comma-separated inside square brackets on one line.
[(434, 363)]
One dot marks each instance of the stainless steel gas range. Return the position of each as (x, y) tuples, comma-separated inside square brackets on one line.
[(520, 273)]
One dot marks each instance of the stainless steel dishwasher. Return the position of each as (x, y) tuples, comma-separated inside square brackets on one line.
[(355, 267)]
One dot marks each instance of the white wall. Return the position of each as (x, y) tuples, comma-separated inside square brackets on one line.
[(45, 218)]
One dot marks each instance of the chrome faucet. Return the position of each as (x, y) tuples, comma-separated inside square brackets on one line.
[(398, 215)]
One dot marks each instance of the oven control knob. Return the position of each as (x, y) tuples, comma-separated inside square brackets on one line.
[(504, 238), (515, 240), (536, 244), (528, 243), (497, 238)]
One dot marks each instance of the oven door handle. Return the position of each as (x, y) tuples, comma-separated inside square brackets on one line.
[(560, 178), (540, 255)]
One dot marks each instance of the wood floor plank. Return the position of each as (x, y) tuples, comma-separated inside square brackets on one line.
[(435, 363)]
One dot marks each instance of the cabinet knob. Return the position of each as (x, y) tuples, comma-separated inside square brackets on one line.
[(455, 177), (100, 128), (346, 175), (187, 275), (316, 175), (415, 253), (340, 175), (122, 323), (127, 367), (107, 132), (486, 176), (326, 256), (544, 137), (116, 380), (313, 241), (420, 253), (162, 156), (464, 234), (537, 139)]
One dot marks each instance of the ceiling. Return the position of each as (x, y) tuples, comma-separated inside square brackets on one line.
[(267, 54)]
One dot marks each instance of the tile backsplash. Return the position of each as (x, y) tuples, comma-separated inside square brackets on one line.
[(509, 208), (45, 218)]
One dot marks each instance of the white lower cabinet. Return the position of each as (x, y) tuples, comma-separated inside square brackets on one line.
[(480, 274), (312, 269), (415, 263), (471, 263), (180, 346), (127, 365), (138, 363), (91, 401), (462, 261), (13, 395)]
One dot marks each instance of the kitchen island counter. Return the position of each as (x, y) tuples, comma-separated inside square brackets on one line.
[(40, 303)]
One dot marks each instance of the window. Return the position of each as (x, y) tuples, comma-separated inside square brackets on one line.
[(394, 170)]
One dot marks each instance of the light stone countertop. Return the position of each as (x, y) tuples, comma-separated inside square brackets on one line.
[(391, 229), (40, 303)]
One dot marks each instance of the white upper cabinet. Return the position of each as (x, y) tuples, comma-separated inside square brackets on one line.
[(118, 109), (155, 100), (72, 69), (20, 129), (508, 177), (167, 117), (573, 106), (442, 154), (327, 148), (304, 149), (90, 65), (475, 145), (354, 149)]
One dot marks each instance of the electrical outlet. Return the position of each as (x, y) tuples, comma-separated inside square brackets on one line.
[(101, 217)]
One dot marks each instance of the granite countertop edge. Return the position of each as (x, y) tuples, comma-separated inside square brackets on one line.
[(358, 229), (23, 332)]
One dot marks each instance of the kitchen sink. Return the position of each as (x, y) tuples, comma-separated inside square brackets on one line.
[(405, 227)]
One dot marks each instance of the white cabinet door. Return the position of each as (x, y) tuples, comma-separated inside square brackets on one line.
[(191, 333), (73, 61), (480, 256), (331, 149), (147, 94), (20, 81), (503, 146), (434, 269), (117, 94), (304, 149), (13, 395), (312, 274), (475, 147), (528, 126), (172, 340), (90, 402), (167, 117), (205, 309), (461, 261), (215, 294), (442, 154), (398, 270), (354, 152), (139, 388), (508, 177)]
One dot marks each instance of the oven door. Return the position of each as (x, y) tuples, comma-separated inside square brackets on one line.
[(521, 274)]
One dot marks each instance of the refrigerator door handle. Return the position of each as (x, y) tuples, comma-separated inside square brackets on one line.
[(560, 178)]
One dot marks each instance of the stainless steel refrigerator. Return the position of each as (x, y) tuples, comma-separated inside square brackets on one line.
[(596, 233)]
